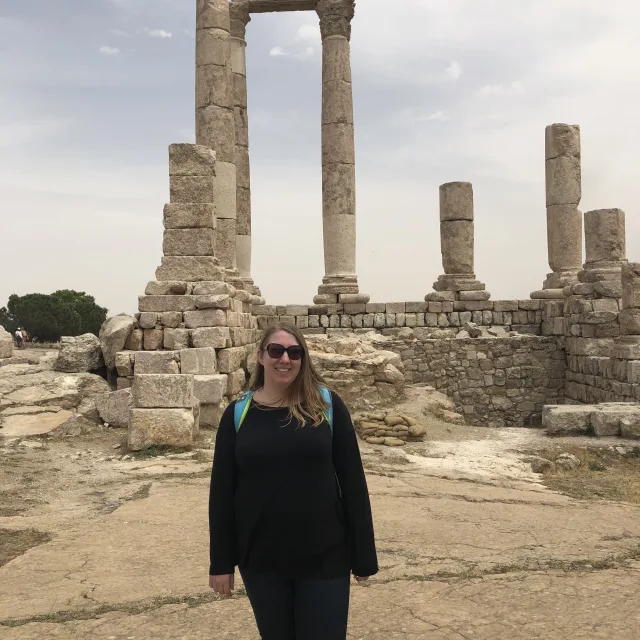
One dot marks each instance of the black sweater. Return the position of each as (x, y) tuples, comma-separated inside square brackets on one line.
[(275, 504)]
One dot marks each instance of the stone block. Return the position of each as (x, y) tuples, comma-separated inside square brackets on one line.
[(168, 340), (564, 237), (169, 427), (205, 318), (604, 231), (630, 321), (198, 361), (395, 307), (605, 419), (156, 362), (123, 383), (134, 341), (124, 363), (457, 243), (191, 189), (181, 338), (630, 285), (473, 296), (189, 216), (147, 320), (478, 305), (189, 268), (216, 125), (354, 309), (216, 337), (216, 288), (213, 301), (236, 381), (354, 298), (211, 414), (337, 145), (213, 87), (166, 288), (440, 296), (456, 201), (566, 419), (562, 140), (170, 319), (162, 391), (505, 305), (210, 389), (114, 407), (630, 426), (296, 310), (376, 307), (153, 339), (563, 180), (188, 242), (231, 359), (416, 307), (165, 303), (191, 160)]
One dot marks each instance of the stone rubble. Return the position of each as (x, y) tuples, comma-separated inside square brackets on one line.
[(79, 354)]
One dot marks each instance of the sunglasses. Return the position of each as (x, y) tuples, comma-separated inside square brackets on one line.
[(276, 351)]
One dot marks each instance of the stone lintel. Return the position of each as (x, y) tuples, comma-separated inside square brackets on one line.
[(267, 6)]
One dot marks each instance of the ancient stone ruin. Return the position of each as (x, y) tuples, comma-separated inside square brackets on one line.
[(189, 350)]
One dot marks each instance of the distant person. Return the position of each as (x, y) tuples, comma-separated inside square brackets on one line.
[(25, 338), (19, 339), (289, 503)]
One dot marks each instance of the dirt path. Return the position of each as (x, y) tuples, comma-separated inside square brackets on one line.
[(471, 544)]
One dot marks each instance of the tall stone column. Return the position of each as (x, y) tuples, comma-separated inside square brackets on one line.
[(215, 127), (340, 283), (564, 220), (240, 18), (457, 246)]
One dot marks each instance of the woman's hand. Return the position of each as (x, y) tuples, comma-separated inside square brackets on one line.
[(222, 584), (361, 578)]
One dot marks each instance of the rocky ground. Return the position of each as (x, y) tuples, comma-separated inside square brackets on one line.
[(99, 543)]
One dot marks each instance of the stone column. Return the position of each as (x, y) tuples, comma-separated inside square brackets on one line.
[(340, 282), (239, 12), (215, 127), (457, 246), (627, 346), (564, 220)]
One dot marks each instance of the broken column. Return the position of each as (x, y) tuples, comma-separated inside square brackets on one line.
[(239, 13), (215, 126), (457, 246), (564, 220), (627, 346), (340, 282)]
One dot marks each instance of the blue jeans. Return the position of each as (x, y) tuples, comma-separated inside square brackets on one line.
[(298, 608)]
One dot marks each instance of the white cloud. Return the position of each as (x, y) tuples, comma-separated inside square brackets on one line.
[(156, 33), (277, 52), (514, 89), (454, 70), (109, 51)]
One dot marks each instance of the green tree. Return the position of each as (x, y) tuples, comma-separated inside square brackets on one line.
[(7, 321), (63, 313)]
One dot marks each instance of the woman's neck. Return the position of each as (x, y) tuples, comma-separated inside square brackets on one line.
[(271, 394)]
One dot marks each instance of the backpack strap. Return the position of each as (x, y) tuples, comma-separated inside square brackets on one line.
[(241, 409), (326, 396)]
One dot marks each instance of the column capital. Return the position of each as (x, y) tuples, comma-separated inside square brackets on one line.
[(335, 17), (240, 18)]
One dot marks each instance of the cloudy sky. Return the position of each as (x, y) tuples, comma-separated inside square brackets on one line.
[(94, 91)]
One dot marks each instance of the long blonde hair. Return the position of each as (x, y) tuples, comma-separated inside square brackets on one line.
[(303, 395)]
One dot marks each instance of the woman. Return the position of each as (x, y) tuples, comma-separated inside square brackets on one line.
[(289, 502)]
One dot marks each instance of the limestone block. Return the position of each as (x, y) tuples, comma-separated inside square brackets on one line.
[(338, 144), (631, 285), (191, 160), (157, 362), (188, 242), (605, 419), (216, 128), (78, 354), (113, 335), (170, 427), (336, 64), (226, 242), (352, 299), (474, 296), (457, 244), (416, 307), (630, 321), (243, 211), (213, 288), (162, 391), (114, 407), (213, 301), (563, 180), (630, 426), (153, 339), (562, 140), (604, 231), (181, 339), (189, 268), (210, 389), (170, 319), (169, 340), (205, 318), (605, 304), (566, 419), (395, 307), (564, 236), (166, 288), (210, 414), (199, 361), (217, 337), (186, 189), (212, 45), (124, 363), (123, 383), (213, 14), (6, 344), (339, 233), (456, 201), (226, 191), (243, 170), (236, 382), (188, 216), (231, 359), (164, 303), (147, 320), (214, 86), (337, 102)]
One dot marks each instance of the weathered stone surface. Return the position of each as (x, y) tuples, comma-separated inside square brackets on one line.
[(113, 335), (562, 140), (229, 360), (631, 285), (189, 216), (213, 301), (236, 382), (170, 319), (189, 268), (170, 427), (188, 242), (457, 243), (6, 344), (163, 390), (218, 337), (605, 419), (213, 289), (153, 339), (566, 419), (630, 321), (199, 361), (630, 426), (210, 414), (210, 389), (191, 160), (135, 341), (205, 318), (216, 126), (114, 407), (124, 363), (191, 189), (604, 233), (563, 180), (147, 319), (164, 303), (456, 201), (165, 288), (147, 362), (79, 353), (564, 237)]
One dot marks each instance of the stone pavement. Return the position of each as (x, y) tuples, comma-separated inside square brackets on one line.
[(466, 550)]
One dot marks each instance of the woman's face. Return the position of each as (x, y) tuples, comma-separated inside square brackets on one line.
[(283, 370)]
